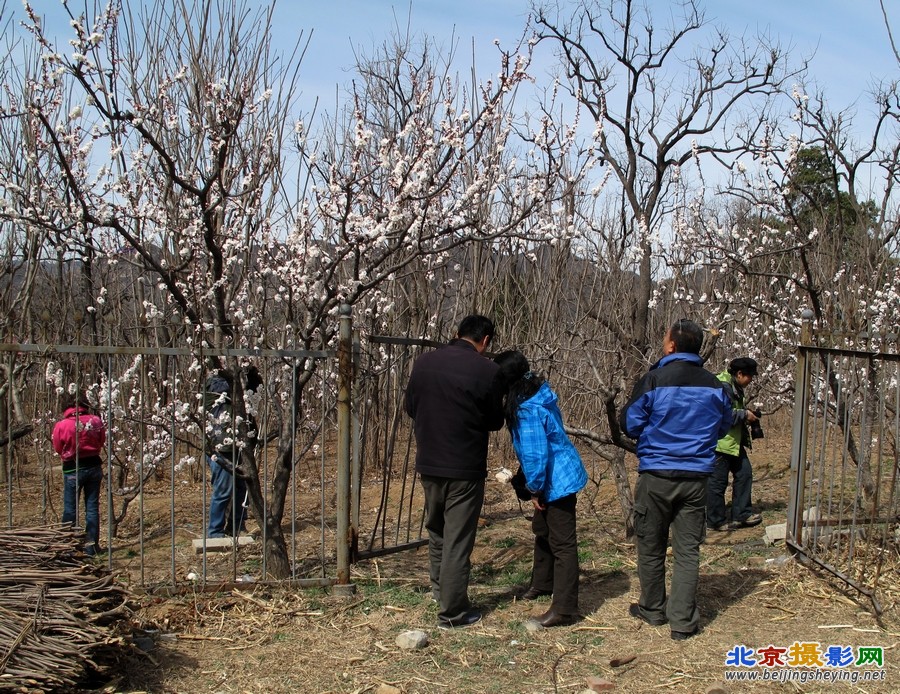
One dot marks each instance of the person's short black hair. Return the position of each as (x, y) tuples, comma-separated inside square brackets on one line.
[(70, 400), (686, 335), (476, 328), (745, 365)]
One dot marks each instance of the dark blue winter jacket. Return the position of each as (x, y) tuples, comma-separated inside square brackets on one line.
[(677, 413)]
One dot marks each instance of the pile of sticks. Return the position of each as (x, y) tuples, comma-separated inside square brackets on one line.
[(57, 611)]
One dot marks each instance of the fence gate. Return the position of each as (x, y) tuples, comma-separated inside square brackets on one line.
[(843, 506), (388, 505)]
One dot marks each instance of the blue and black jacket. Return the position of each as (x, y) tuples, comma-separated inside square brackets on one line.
[(677, 413), (552, 466)]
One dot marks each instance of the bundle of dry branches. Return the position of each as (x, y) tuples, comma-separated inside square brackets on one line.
[(56, 611)]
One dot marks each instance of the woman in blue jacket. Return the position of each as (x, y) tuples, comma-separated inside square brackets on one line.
[(554, 474)]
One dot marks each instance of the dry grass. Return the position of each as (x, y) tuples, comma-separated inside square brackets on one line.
[(263, 639)]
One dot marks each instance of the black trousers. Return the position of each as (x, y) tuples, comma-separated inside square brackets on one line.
[(452, 508), (661, 503), (738, 466), (556, 554)]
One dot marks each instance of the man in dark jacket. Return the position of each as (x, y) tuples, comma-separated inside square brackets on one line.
[(677, 413), (454, 405)]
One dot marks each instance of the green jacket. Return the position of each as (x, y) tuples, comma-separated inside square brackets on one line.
[(730, 444)]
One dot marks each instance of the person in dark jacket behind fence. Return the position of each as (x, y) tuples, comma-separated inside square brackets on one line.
[(452, 399), (227, 502), (677, 412), (78, 438), (554, 474)]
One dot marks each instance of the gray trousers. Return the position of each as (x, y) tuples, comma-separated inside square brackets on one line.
[(452, 508), (661, 503)]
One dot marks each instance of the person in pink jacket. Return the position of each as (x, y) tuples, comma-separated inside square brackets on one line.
[(78, 438)]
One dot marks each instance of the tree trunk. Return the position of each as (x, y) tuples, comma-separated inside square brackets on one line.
[(623, 489), (278, 563)]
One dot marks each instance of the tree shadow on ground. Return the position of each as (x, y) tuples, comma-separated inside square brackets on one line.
[(717, 592)]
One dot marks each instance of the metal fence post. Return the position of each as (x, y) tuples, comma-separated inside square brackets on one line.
[(356, 443), (344, 434), (799, 426)]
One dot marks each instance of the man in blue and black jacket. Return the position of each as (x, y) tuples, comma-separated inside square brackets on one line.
[(677, 412)]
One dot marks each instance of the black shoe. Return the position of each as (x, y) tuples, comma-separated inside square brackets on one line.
[(635, 611), (552, 618), (533, 593), (468, 619), (684, 635)]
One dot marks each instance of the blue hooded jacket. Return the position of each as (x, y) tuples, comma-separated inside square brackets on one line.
[(551, 464), (677, 412)]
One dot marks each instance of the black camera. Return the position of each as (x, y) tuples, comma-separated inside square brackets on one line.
[(756, 430)]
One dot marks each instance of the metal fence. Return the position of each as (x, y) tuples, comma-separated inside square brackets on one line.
[(843, 509), (353, 492), (155, 495)]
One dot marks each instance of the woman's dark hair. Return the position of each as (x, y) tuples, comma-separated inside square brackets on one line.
[(516, 381)]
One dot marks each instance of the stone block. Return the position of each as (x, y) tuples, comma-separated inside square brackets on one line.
[(222, 544)]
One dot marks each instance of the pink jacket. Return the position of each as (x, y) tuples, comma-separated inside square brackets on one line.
[(90, 439)]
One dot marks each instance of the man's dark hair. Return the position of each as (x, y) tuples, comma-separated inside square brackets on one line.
[(745, 365), (686, 335), (70, 400), (476, 328)]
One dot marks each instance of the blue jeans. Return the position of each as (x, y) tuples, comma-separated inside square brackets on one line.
[(86, 479), (225, 486)]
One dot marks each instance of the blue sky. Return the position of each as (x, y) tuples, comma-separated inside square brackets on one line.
[(848, 36)]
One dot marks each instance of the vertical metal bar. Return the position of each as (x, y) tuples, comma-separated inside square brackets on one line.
[(143, 447), (9, 442), (323, 416), (172, 470), (345, 383), (78, 490), (356, 447), (293, 475), (109, 457), (798, 445), (235, 461), (261, 432), (206, 475)]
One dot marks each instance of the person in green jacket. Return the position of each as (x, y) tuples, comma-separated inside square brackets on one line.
[(731, 456)]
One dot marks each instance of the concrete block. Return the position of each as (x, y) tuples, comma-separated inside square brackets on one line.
[(775, 533), (222, 544)]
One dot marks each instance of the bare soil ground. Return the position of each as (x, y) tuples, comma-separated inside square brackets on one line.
[(264, 639)]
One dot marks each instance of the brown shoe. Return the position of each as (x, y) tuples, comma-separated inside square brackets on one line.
[(533, 593), (552, 618)]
